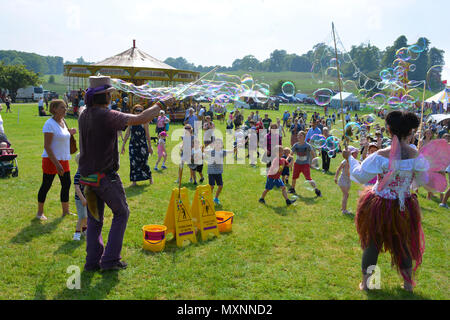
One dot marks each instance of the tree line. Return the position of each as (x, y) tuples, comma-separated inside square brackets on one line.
[(368, 58), (32, 61)]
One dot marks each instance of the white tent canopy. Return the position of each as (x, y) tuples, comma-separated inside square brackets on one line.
[(253, 94), (438, 118), (443, 96), (348, 98)]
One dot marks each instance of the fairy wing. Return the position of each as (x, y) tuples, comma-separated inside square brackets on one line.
[(275, 167), (433, 158), (394, 158)]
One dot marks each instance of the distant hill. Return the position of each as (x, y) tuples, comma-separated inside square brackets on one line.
[(32, 61)]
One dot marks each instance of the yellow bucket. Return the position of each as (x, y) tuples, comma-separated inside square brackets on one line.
[(224, 220), (154, 237)]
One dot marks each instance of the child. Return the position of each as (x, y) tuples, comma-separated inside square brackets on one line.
[(305, 154), (239, 142), (273, 177), (186, 148), (81, 204), (344, 181), (3, 145), (196, 164), (161, 150), (285, 173), (215, 167)]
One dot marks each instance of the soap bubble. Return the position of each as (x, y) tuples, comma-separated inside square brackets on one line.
[(247, 82), (369, 119), (288, 89), (332, 143), (307, 185), (316, 163), (336, 132), (352, 129), (331, 154), (318, 141), (323, 97)]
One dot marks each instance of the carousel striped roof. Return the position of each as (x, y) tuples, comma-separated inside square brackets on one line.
[(134, 58)]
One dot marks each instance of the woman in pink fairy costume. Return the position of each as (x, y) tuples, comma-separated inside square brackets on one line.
[(388, 216)]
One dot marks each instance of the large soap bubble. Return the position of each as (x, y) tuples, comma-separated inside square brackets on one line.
[(288, 89), (323, 96)]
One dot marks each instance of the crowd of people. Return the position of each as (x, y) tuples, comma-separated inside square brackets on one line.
[(255, 136)]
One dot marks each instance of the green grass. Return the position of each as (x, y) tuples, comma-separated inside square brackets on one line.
[(308, 251), (59, 86)]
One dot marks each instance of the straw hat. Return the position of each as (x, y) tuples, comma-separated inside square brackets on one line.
[(96, 82)]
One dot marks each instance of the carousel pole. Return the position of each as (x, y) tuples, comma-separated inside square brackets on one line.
[(340, 87)]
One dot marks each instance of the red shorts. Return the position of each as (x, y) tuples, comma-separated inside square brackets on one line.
[(302, 168), (49, 168)]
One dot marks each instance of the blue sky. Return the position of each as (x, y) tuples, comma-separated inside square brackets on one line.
[(211, 32)]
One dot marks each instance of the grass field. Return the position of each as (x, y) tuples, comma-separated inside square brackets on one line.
[(307, 251), (60, 87)]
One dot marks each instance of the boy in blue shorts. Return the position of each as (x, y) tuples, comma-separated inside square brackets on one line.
[(215, 158), (274, 177)]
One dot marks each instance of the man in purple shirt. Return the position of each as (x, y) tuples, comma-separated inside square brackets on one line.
[(98, 166)]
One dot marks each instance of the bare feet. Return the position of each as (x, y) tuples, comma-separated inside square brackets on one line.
[(363, 287)]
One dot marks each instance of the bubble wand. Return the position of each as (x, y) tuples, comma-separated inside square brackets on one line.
[(340, 86)]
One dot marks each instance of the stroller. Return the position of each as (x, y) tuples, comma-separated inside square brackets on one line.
[(8, 160)]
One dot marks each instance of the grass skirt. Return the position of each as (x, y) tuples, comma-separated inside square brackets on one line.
[(380, 221)]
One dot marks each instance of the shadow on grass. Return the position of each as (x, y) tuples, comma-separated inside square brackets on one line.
[(88, 292), (39, 293), (172, 249), (394, 294), (282, 211), (137, 190), (350, 216), (307, 200), (68, 247), (36, 229)]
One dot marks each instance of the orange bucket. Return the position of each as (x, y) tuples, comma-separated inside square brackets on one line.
[(224, 220), (154, 237)]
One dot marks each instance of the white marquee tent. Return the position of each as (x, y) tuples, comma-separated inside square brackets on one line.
[(349, 99), (443, 96)]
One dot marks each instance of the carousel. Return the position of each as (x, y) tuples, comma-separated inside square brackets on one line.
[(132, 65)]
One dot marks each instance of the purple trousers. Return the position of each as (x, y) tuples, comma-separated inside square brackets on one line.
[(112, 193)]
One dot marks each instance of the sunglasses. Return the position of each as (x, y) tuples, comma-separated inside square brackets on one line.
[(138, 110)]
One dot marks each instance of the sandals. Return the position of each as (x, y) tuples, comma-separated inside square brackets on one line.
[(41, 217)]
